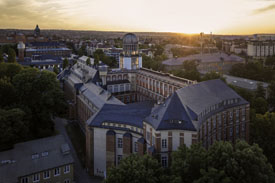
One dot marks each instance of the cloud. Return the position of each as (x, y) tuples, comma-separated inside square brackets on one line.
[(265, 9)]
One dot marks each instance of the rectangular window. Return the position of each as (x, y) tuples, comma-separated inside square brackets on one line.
[(67, 181), (136, 147), (119, 158), (36, 177), (56, 171), (164, 161), (67, 169), (46, 174), (25, 180), (119, 143), (148, 135), (164, 143)]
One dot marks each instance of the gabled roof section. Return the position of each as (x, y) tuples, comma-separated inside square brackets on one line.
[(205, 94), (171, 115), (130, 114), (98, 96)]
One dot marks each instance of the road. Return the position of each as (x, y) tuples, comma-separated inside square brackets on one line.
[(81, 176)]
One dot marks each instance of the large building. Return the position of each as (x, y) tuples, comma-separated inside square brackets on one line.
[(207, 62), (43, 160), (261, 49), (125, 111)]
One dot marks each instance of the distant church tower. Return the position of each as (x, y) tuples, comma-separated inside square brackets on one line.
[(21, 50), (130, 58), (37, 31)]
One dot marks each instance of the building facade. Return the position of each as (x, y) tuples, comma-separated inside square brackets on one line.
[(261, 49), (43, 160), (128, 111)]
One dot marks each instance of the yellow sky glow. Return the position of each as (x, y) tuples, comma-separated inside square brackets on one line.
[(186, 16)]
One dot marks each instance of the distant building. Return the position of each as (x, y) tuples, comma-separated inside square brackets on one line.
[(261, 49), (15, 38), (42, 160), (210, 62), (245, 83), (130, 58)]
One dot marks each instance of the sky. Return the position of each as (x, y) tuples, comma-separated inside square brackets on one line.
[(183, 16)]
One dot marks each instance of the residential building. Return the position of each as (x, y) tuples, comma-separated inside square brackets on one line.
[(42, 160)]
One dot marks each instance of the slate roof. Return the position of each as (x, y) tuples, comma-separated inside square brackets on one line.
[(187, 103), (243, 82), (205, 58), (25, 165), (174, 110), (131, 114), (204, 94), (98, 96)]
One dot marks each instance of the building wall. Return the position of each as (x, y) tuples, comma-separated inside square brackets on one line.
[(228, 125), (53, 178), (99, 151), (157, 86)]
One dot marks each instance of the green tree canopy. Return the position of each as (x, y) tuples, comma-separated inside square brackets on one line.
[(12, 56), (65, 63), (1, 56), (55, 69), (271, 93), (260, 105), (137, 169), (260, 92), (262, 132), (222, 163), (88, 61), (212, 75), (13, 127)]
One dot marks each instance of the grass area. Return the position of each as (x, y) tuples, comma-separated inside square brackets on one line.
[(78, 141)]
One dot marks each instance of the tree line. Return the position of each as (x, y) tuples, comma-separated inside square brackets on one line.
[(221, 163), (29, 99)]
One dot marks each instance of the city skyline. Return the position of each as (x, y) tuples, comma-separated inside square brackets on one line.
[(219, 17)]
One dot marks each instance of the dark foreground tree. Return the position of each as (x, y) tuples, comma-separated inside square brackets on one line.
[(263, 133), (222, 163), (136, 169)]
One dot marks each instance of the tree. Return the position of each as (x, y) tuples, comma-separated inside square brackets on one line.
[(13, 127), (190, 70), (262, 132), (271, 94), (88, 61), (260, 92), (96, 59), (1, 56), (270, 61), (41, 96), (187, 163), (65, 63), (12, 56), (55, 69), (9, 70), (7, 93), (260, 105), (213, 175), (137, 168), (222, 163), (212, 75)]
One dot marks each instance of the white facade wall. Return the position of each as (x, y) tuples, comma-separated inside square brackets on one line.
[(140, 62), (99, 151)]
